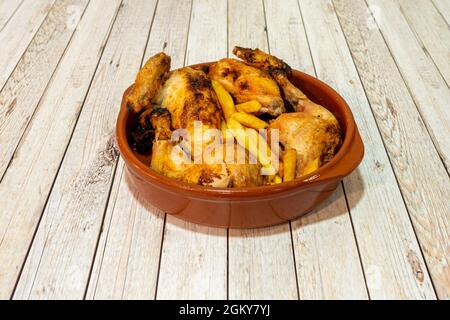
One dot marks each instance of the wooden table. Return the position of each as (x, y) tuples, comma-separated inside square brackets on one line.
[(70, 227)]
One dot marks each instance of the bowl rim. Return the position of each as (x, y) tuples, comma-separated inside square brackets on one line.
[(322, 174)]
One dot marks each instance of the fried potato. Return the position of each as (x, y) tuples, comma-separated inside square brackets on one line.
[(289, 164), (225, 99), (249, 107), (249, 120), (249, 138), (312, 166)]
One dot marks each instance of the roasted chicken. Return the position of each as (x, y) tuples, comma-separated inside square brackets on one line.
[(184, 113), (312, 131), (247, 83), (148, 82)]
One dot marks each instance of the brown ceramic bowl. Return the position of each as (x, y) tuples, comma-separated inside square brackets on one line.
[(253, 206)]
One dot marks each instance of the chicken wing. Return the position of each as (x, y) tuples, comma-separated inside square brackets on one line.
[(280, 71), (247, 83), (148, 81)]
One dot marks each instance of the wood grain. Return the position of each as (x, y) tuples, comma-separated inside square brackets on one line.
[(7, 10), (324, 244), (444, 9), (428, 88), (128, 254), (432, 31), (19, 32), (194, 258), (26, 85), (28, 181), (261, 262), (403, 130), (61, 255), (383, 230)]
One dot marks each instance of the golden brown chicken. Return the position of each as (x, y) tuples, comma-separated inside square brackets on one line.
[(246, 83), (148, 82), (188, 96), (312, 131)]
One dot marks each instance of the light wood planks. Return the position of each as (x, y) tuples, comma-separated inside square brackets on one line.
[(327, 260), (432, 31), (403, 131), (261, 262), (61, 255), (444, 9), (19, 32), (24, 88), (426, 84), (7, 10), (391, 257), (127, 259), (28, 181), (194, 258)]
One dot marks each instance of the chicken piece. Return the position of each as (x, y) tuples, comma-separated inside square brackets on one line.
[(188, 95), (148, 81), (312, 136), (280, 71), (246, 83), (312, 131)]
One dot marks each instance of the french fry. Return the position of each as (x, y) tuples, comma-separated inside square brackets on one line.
[(249, 120), (249, 140), (312, 166), (225, 99), (249, 107), (289, 164)]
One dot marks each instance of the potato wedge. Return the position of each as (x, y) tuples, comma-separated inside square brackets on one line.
[(289, 164), (249, 120), (249, 107), (225, 99), (312, 166)]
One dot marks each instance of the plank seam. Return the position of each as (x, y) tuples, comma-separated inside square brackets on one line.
[(28, 45), (385, 149), (44, 92), (342, 183), (426, 125), (165, 214), (421, 43), (12, 15), (60, 164)]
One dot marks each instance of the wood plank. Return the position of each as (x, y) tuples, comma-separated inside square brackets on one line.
[(326, 255), (420, 173), (444, 9), (28, 181), (61, 255), (127, 259), (23, 90), (428, 88), (390, 254), (18, 33), (194, 258), (432, 31), (7, 10), (261, 262)]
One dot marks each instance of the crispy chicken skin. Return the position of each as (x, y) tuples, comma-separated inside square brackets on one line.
[(313, 137), (280, 71), (188, 95), (312, 131), (247, 83), (148, 81)]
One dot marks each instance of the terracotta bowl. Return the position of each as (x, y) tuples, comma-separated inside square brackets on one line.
[(254, 206)]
